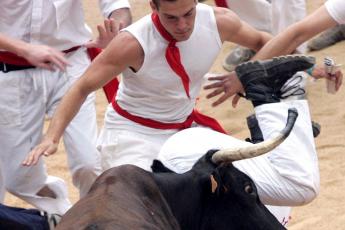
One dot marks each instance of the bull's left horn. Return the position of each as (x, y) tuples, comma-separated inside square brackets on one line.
[(240, 153)]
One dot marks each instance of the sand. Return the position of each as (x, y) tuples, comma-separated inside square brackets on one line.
[(327, 211)]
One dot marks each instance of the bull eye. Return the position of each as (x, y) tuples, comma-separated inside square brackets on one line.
[(248, 189)]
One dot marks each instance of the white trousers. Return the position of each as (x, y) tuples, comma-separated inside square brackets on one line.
[(271, 17), (25, 98), (286, 176)]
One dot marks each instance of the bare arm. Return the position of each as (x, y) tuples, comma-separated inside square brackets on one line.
[(288, 40), (122, 52), (284, 43), (232, 29), (38, 55)]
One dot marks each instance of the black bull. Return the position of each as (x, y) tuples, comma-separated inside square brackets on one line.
[(209, 196)]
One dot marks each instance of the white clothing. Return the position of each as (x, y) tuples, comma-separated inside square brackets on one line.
[(25, 98), (160, 89), (271, 17), (286, 176), (56, 23), (336, 8), (157, 91)]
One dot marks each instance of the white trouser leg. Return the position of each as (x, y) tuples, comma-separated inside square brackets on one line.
[(22, 112), (119, 147), (81, 134), (80, 142), (289, 174), (257, 13)]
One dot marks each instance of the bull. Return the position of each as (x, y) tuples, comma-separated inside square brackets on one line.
[(212, 195)]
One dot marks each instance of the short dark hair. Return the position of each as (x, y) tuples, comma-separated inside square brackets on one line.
[(156, 2)]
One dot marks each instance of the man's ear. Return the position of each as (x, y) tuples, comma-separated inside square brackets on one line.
[(153, 6)]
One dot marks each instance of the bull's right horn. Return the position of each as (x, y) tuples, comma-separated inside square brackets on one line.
[(240, 153)]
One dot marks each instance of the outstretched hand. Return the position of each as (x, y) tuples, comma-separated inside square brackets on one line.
[(106, 33), (47, 147), (226, 86), (337, 77), (44, 57)]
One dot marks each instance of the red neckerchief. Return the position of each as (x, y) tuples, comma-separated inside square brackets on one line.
[(221, 3), (172, 53)]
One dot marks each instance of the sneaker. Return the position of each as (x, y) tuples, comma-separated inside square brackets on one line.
[(293, 89), (237, 56), (263, 80), (328, 38)]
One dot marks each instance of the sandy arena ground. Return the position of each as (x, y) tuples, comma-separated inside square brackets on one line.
[(325, 212)]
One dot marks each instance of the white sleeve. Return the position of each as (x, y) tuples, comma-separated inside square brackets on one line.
[(108, 6), (336, 8)]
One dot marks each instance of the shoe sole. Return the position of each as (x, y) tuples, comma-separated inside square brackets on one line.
[(308, 61)]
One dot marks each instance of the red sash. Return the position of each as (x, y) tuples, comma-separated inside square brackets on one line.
[(173, 58), (195, 116)]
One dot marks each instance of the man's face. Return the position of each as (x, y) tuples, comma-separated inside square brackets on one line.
[(177, 17)]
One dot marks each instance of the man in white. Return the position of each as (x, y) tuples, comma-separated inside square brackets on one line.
[(42, 56)]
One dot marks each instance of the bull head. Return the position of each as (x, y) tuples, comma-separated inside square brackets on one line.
[(240, 153)]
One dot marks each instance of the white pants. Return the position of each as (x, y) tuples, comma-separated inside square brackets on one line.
[(25, 98), (286, 176), (271, 17)]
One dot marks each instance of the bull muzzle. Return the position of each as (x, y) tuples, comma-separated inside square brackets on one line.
[(240, 153)]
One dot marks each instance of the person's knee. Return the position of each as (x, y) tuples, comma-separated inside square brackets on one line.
[(311, 192)]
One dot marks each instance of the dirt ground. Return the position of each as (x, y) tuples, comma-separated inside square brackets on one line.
[(327, 211)]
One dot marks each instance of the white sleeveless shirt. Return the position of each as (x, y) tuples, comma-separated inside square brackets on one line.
[(155, 91)]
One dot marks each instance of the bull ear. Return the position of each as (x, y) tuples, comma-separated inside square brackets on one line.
[(217, 186), (158, 167), (214, 184)]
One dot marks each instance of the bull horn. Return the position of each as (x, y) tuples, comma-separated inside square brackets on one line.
[(240, 153)]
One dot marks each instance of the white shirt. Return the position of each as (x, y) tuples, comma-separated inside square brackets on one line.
[(56, 23), (336, 8), (155, 91)]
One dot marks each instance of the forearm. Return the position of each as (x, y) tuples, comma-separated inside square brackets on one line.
[(280, 45), (66, 111), (12, 45)]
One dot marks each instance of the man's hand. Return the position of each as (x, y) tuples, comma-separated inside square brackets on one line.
[(337, 77), (44, 57), (47, 147), (227, 85), (105, 33)]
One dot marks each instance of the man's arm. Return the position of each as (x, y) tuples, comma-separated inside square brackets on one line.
[(122, 52), (284, 43), (287, 41), (232, 29), (38, 55)]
